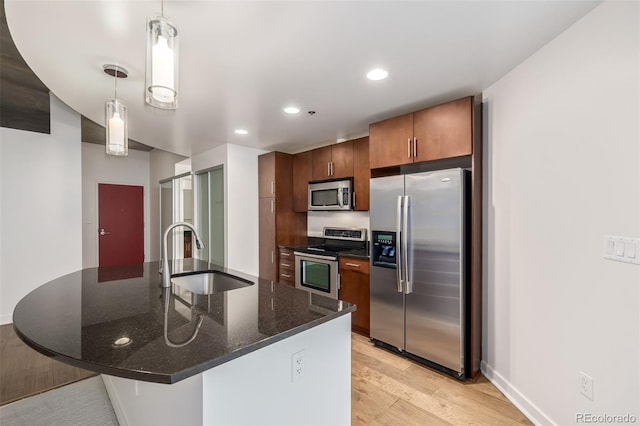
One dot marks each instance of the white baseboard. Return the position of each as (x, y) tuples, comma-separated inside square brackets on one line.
[(527, 407), (115, 402), (6, 319)]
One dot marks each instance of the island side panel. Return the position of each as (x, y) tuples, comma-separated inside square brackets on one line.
[(138, 403), (258, 388)]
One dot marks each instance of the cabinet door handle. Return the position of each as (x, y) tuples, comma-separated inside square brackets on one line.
[(273, 187), (355, 265), (286, 265), (273, 205), (415, 146), (286, 275), (333, 170), (271, 256), (408, 147), (285, 254)]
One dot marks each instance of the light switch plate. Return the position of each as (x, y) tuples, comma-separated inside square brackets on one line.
[(622, 249)]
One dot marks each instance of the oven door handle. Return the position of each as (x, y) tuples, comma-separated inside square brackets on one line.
[(315, 256)]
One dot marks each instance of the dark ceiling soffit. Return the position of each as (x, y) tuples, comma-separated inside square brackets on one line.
[(92, 132), (24, 103)]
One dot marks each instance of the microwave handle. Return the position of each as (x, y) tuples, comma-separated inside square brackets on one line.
[(339, 194)]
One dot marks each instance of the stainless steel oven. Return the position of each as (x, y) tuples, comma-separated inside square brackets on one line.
[(317, 266), (317, 273)]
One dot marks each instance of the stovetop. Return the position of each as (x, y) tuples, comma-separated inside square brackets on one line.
[(347, 240)]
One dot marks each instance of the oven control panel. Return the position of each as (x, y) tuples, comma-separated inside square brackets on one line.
[(354, 234)]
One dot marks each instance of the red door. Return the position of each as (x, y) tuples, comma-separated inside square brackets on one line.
[(120, 224)]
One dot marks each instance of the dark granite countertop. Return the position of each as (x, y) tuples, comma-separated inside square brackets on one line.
[(78, 318)]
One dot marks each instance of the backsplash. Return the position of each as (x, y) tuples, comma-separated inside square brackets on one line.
[(317, 220)]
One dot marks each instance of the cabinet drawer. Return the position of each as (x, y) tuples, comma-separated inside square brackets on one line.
[(287, 277), (286, 270), (286, 255), (287, 265), (354, 264)]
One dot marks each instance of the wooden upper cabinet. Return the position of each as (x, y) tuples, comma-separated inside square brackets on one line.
[(443, 131), (267, 175), (301, 178), (390, 142), (333, 161), (342, 160), (321, 163), (361, 174)]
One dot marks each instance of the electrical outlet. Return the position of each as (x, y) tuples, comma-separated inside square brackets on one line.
[(586, 385), (297, 366)]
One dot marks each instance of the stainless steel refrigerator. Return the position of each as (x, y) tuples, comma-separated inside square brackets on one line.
[(420, 266)]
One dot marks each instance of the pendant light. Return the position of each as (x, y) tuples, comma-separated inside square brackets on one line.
[(117, 138), (161, 76)]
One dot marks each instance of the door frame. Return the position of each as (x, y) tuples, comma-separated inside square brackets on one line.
[(145, 214)]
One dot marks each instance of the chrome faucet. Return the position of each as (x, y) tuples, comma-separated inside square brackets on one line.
[(166, 278)]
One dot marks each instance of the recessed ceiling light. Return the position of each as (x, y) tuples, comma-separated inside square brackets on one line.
[(292, 110), (241, 132), (377, 74)]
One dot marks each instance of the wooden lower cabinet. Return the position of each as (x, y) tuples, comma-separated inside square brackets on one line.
[(287, 271), (354, 288)]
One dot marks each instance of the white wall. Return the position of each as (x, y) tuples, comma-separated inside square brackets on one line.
[(162, 166), (40, 193), (563, 159), (240, 202), (98, 167), (316, 221)]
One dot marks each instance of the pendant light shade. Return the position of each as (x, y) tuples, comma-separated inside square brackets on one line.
[(117, 135), (116, 124), (161, 77)]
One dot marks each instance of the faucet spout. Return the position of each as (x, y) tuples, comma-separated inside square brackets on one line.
[(166, 277)]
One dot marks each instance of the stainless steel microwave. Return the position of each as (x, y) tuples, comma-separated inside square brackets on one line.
[(331, 195)]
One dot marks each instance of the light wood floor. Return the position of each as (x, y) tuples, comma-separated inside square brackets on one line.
[(386, 388), (25, 372)]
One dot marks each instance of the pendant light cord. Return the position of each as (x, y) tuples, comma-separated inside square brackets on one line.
[(162, 7), (116, 85)]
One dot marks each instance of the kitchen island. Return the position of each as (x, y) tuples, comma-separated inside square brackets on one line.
[(263, 353)]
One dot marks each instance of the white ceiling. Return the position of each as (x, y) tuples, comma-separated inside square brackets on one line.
[(241, 62)]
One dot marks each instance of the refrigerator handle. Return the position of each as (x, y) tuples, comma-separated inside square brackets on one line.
[(405, 245), (399, 255)]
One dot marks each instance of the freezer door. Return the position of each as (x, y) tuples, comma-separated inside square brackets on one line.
[(387, 303), (434, 300)]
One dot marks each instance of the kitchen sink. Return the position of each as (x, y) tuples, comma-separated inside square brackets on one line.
[(209, 282)]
